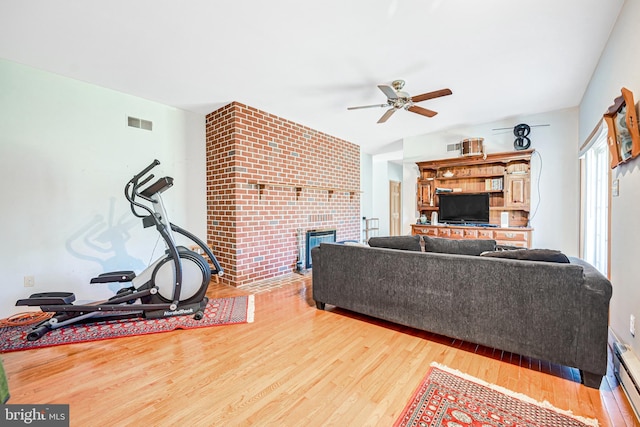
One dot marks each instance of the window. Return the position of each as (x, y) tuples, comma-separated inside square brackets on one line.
[(595, 201)]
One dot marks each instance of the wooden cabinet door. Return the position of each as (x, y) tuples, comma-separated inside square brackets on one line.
[(425, 194), (516, 191)]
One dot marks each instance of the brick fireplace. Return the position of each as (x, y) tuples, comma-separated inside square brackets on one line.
[(268, 179)]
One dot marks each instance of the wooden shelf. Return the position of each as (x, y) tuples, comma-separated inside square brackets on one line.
[(499, 158), (459, 177), (476, 174), (505, 208), (469, 192), (261, 185)]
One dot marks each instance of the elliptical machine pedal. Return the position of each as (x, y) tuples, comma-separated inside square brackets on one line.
[(114, 276), (47, 298)]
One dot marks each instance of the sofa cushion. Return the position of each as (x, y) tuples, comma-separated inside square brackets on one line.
[(546, 255), (458, 247), (405, 243)]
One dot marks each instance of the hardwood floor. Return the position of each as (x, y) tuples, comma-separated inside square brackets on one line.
[(294, 366)]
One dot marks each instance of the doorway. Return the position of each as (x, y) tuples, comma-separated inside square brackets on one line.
[(395, 208)]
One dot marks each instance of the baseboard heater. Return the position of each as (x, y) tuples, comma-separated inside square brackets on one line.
[(626, 367)]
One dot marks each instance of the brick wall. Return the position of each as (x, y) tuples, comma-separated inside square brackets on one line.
[(267, 178)]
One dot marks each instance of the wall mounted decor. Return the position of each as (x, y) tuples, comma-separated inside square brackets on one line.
[(622, 122), (521, 132)]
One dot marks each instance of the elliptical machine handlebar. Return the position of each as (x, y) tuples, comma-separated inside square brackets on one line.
[(145, 171), (131, 190)]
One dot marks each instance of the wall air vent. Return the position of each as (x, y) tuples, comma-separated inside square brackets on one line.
[(453, 147), (135, 122)]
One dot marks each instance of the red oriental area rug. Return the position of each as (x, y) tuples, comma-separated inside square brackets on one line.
[(220, 311), (450, 398)]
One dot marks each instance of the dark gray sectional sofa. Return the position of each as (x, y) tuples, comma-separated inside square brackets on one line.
[(546, 310)]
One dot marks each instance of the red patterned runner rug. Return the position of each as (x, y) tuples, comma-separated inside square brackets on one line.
[(219, 311), (450, 398)]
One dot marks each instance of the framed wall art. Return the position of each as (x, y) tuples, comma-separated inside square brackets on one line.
[(623, 135)]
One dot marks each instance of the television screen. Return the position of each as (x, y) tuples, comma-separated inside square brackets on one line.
[(464, 208)]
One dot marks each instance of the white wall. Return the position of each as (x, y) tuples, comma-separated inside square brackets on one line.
[(66, 153), (384, 170), (619, 67), (380, 181), (366, 186), (554, 171)]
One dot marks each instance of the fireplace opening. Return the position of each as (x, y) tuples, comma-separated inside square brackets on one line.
[(314, 238)]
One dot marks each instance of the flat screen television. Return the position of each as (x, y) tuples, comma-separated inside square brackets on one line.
[(464, 208)]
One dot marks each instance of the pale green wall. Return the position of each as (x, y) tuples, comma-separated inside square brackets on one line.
[(65, 154)]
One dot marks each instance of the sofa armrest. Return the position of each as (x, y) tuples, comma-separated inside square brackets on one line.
[(594, 280), (595, 311), (317, 277)]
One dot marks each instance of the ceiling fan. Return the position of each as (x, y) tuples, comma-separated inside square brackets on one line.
[(396, 99)]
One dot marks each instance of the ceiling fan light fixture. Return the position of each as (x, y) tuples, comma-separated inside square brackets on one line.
[(397, 85)]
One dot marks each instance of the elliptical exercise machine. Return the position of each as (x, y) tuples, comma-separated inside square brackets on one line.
[(175, 284)]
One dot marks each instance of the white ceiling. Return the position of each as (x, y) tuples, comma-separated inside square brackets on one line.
[(308, 61)]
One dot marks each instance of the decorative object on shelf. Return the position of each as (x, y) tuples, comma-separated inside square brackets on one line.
[(440, 190), (493, 184), (447, 174), (472, 147), (423, 219), (504, 219), (396, 100), (623, 135), (434, 218)]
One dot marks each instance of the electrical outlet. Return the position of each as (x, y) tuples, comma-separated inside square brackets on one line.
[(29, 281), (632, 325)]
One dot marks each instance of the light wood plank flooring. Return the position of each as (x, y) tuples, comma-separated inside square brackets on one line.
[(294, 366)]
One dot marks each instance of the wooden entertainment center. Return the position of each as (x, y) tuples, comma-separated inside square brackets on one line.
[(506, 177)]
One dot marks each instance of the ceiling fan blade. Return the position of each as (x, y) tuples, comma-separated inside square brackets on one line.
[(423, 111), (367, 106), (386, 115), (389, 91), (431, 95)]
